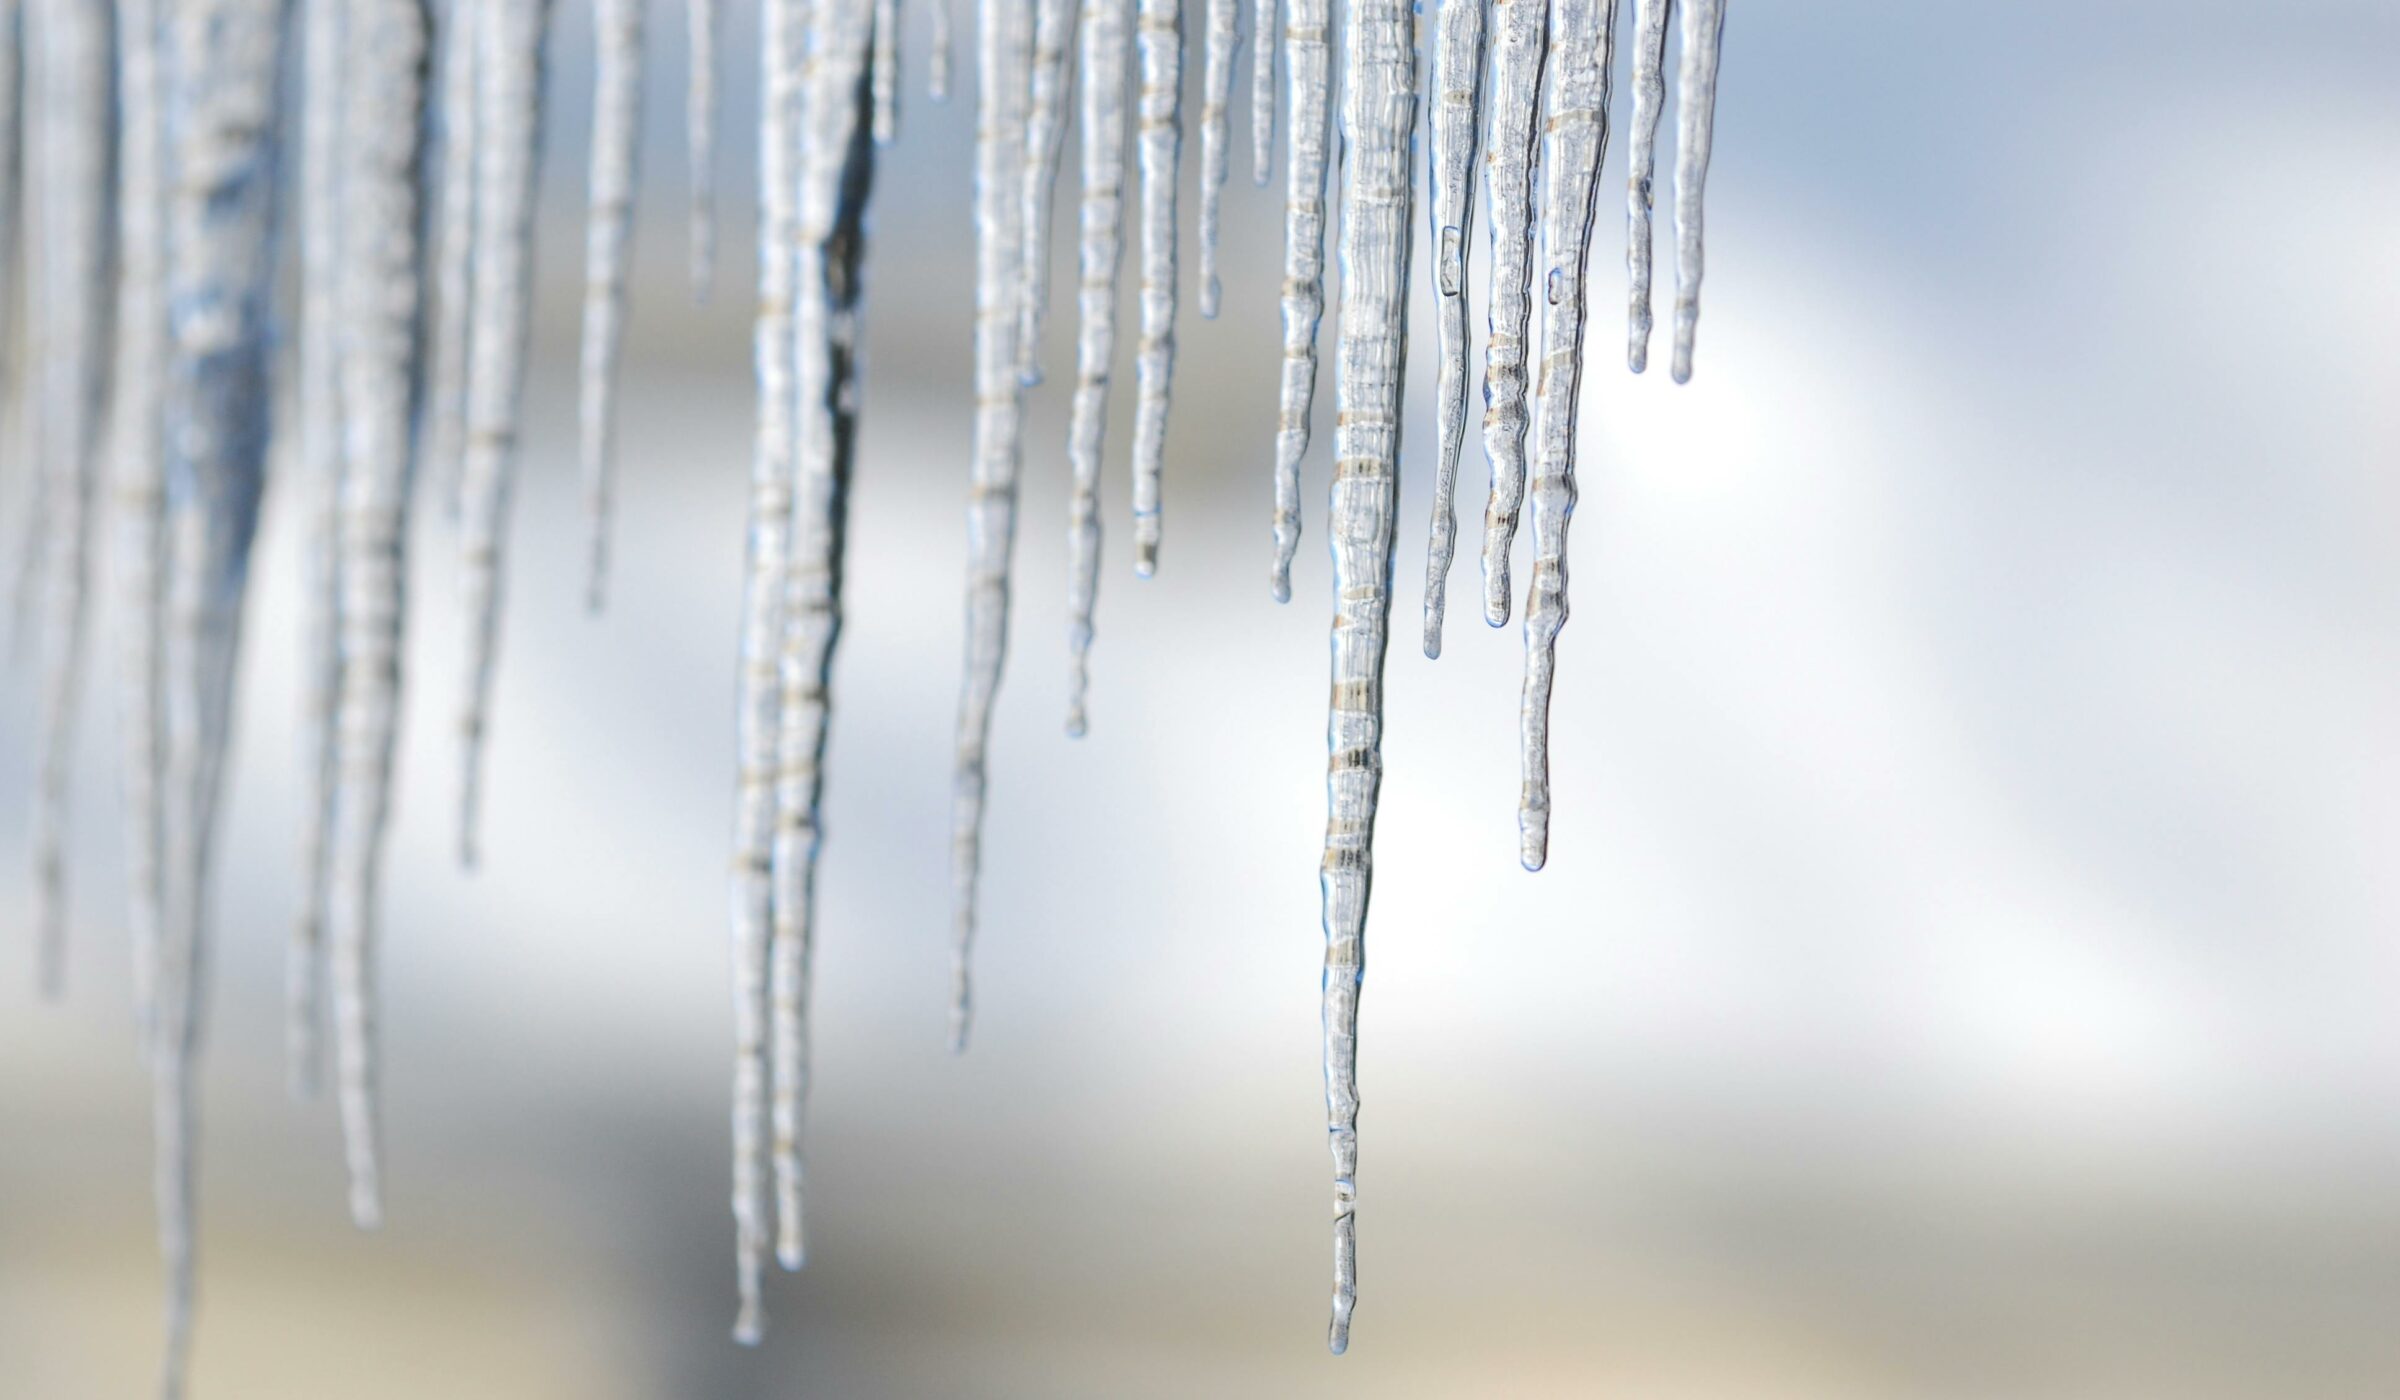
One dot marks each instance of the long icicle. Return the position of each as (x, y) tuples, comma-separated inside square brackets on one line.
[(608, 250), (223, 64), (836, 175), (1262, 91), (1457, 119), (77, 112), (1379, 104), (1216, 134), (1004, 30), (508, 143), (1641, 162), (1574, 143), (380, 297), (781, 35), (1158, 134), (1520, 50), (1307, 58), (1045, 139), (444, 444), (1106, 28), (700, 142), (1695, 134)]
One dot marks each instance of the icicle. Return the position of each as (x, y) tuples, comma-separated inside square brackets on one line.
[(1158, 49), (1379, 105), (1003, 54), (885, 72), (1216, 97), (454, 254), (1641, 160), (1695, 132), (608, 246), (379, 297), (12, 129), (1520, 48), (1574, 142), (756, 717), (1105, 24), (1045, 138), (508, 139), (700, 136), (836, 175), (73, 284), (1457, 117), (1307, 65), (1262, 92), (937, 76)]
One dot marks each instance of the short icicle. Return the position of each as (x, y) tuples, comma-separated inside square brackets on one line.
[(1106, 29), (884, 75), (1379, 103), (937, 70), (607, 266), (1641, 162), (1158, 135), (1262, 91), (1045, 140), (1520, 50), (700, 142), (1457, 118), (1004, 52), (1216, 134), (1307, 57), (453, 319), (1573, 146), (1695, 135)]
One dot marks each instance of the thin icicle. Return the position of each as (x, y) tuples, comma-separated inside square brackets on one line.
[(1574, 142), (608, 255), (1158, 134), (1307, 58), (1216, 100), (508, 142), (72, 281), (836, 175), (700, 137), (781, 35), (1379, 105), (1457, 119), (1641, 161), (1262, 92), (379, 296), (1695, 133), (1520, 49), (937, 73), (885, 79), (12, 131), (1004, 30), (1106, 25), (1045, 139), (454, 254)]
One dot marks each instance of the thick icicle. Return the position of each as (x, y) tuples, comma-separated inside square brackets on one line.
[(1216, 132), (1262, 92), (884, 77), (223, 63), (607, 260), (1520, 49), (1575, 140), (700, 138), (836, 175), (1106, 26), (1379, 104), (1158, 51), (72, 282), (1307, 57), (1004, 28), (379, 296), (781, 36), (508, 143), (1045, 139), (1456, 119), (1641, 161), (1695, 133), (454, 253)]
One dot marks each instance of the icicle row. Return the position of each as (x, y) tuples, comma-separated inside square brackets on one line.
[(1100, 251), (1216, 97), (1307, 63), (454, 253), (700, 138), (1457, 118), (608, 249), (1045, 139), (1641, 162), (1158, 51), (1520, 48), (1695, 133)]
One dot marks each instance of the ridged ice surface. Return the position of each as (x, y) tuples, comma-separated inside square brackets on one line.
[(1045, 140), (1308, 63), (1216, 135), (445, 432), (1107, 28), (1263, 35), (1641, 162), (1456, 120), (1520, 46), (607, 264), (1695, 136), (1158, 137)]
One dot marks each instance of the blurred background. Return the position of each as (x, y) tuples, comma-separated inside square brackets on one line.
[(1967, 962)]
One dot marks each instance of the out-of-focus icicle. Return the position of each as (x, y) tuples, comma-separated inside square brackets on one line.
[(1216, 99), (454, 253), (1003, 52), (508, 143), (1695, 133), (1106, 27), (72, 282), (1641, 161), (836, 175), (885, 72), (1379, 104), (607, 261), (782, 34), (937, 73), (1262, 92), (1520, 48), (12, 130), (1457, 118), (1574, 142), (1158, 134), (700, 142), (379, 296), (1045, 139), (221, 119), (1307, 60)]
